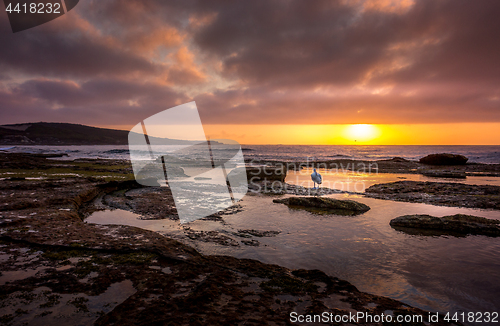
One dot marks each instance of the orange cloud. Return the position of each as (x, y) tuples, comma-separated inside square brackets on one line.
[(167, 37), (388, 6), (184, 70), (200, 20)]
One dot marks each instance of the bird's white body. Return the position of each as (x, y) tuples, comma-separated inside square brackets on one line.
[(316, 178)]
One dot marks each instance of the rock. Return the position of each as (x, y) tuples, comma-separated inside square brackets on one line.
[(202, 178), (459, 223), (18, 161), (50, 155), (444, 159), (154, 171), (257, 233), (396, 159), (253, 243), (438, 193), (210, 236), (261, 173), (152, 203), (324, 203), (445, 174)]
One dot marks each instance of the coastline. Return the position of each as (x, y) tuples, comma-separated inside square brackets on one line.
[(46, 215)]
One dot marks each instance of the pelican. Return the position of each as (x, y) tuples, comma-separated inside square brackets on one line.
[(316, 178)]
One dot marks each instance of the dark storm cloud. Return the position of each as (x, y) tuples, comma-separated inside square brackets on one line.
[(289, 43), (95, 91), (443, 53), (68, 51), (468, 49), (105, 100), (326, 42), (362, 61)]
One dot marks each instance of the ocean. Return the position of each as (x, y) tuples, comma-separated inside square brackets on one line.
[(475, 153)]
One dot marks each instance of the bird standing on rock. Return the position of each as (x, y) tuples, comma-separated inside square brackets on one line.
[(316, 178)]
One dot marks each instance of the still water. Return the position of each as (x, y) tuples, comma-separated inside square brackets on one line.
[(437, 273), (352, 181)]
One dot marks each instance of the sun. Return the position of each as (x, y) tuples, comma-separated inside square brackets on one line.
[(361, 133)]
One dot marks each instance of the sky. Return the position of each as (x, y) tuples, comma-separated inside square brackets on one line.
[(266, 72)]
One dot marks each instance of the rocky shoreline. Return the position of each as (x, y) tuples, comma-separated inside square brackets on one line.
[(56, 268), (438, 193), (394, 165)]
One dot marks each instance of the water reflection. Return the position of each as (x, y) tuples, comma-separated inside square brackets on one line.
[(437, 273), (357, 182)]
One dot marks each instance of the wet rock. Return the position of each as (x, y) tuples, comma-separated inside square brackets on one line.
[(445, 174), (444, 159), (459, 223), (42, 155), (218, 216), (253, 243), (438, 193), (22, 161), (151, 202), (396, 160), (257, 233), (210, 236), (324, 203), (271, 173)]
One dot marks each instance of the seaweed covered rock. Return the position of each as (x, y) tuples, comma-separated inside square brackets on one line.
[(459, 223), (444, 159), (324, 203)]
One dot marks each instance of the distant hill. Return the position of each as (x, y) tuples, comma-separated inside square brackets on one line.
[(49, 133)]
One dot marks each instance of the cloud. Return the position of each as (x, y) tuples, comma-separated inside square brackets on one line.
[(43, 51), (108, 101), (184, 70), (258, 106), (307, 44), (259, 62)]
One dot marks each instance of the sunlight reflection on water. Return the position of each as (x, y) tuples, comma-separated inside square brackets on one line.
[(434, 273), (358, 182)]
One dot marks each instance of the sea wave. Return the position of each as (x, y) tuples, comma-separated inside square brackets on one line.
[(117, 151), (290, 153)]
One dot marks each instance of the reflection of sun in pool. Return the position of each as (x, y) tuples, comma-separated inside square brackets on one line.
[(361, 132)]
